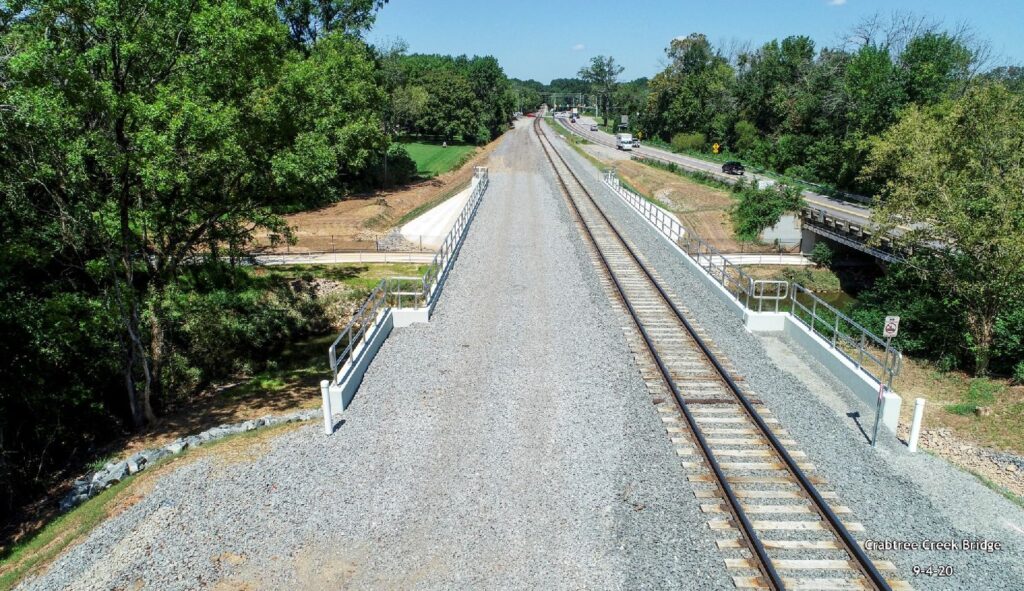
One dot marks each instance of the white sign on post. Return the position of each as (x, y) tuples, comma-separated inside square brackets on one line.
[(892, 327)]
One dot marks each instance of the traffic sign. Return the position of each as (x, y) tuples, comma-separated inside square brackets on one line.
[(715, 148), (892, 327)]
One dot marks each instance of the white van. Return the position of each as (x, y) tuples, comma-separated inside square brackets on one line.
[(624, 141)]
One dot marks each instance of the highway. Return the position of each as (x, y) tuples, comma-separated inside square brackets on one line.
[(854, 212)]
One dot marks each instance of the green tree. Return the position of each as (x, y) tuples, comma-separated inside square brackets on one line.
[(309, 20), (955, 176), (324, 118), (134, 131), (694, 93), (602, 76), (934, 66)]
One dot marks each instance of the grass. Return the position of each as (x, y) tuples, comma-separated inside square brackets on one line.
[(41, 549), (361, 278), (433, 159), (980, 392), (813, 278), (698, 177), (431, 204), (952, 397)]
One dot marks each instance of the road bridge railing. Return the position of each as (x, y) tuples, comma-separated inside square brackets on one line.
[(832, 330)]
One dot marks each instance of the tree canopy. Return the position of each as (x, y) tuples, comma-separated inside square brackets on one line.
[(954, 189), (797, 109), (141, 146)]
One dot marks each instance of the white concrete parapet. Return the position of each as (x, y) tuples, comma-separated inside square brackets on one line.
[(861, 383), (338, 393)]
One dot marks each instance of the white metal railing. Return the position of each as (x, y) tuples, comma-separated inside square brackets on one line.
[(405, 292), (851, 339), (865, 349), (439, 267)]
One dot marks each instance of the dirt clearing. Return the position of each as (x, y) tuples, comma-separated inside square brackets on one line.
[(359, 221)]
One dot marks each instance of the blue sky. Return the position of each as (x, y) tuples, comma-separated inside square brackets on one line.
[(553, 39)]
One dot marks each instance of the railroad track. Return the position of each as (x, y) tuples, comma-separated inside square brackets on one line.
[(775, 529)]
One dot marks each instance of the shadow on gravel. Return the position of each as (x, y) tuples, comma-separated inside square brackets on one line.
[(855, 415)]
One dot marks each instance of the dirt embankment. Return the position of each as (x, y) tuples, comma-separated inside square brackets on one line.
[(703, 210), (360, 220)]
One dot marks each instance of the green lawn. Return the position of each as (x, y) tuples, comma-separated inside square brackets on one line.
[(432, 159)]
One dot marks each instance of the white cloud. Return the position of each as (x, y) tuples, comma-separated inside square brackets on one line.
[(579, 47), (836, 2)]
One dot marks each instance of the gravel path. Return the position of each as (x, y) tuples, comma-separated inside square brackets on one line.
[(510, 443), (897, 495)]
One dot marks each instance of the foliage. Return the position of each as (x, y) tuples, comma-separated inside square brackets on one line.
[(527, 94), (602, 75), (1018, 373), (980, 392), (683, 142), (822, 255), (451, 98), (692, 93), (816, 280), (793, 108), (400, 167), (141, 146), (758, 209), (955, 175), (309, 20)]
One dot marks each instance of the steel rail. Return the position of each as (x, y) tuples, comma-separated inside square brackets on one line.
[(863, 561)]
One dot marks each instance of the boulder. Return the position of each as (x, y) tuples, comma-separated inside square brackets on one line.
[(175, 447), (110, 475)]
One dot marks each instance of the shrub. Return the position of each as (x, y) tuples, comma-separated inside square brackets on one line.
[(1018, 374), (682, 142), (822, 255), (401, 168), (746, 137), (761, 208)]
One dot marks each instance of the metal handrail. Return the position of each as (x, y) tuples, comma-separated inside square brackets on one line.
[(842, 330), (365, 316), (839, 329), (396, 292)]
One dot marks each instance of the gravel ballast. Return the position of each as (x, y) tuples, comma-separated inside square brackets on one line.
[(509, 443), (897, 495)]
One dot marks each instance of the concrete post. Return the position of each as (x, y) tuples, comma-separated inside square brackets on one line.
[(915, 426), (325, 393)]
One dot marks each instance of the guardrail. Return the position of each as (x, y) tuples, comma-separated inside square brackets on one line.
[(442, 258), (852, 340), (730, 276), (405, 292)]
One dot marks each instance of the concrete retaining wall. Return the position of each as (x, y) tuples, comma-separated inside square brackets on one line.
[(351, 374), (863, 385)]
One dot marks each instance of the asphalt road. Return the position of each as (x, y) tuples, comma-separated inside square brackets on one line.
[(835, 207)]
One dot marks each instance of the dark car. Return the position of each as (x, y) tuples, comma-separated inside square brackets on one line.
[(733, 168)]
